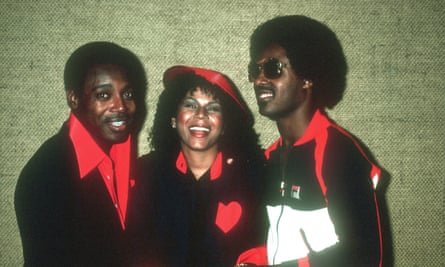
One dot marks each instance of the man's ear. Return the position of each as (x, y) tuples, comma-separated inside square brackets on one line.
[(73, 99)]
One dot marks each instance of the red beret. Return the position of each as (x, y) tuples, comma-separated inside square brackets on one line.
[(214, 77)]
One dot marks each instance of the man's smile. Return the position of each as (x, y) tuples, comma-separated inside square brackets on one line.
[(264, 93)]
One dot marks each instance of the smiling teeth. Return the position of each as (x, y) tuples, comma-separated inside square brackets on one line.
[(196, 128), (118, 123), (265, 95)]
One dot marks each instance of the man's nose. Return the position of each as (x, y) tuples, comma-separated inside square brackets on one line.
[(118, 104), (261, 78)]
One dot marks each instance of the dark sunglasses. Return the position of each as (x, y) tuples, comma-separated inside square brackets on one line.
[(272, 68)]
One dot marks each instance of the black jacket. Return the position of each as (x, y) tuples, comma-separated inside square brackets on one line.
[(322, 205), (63, 220)]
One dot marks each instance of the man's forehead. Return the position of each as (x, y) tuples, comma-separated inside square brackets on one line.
[(97, 69), (273, 50), (101, 73)]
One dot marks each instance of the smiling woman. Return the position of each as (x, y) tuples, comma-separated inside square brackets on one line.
[(202, 180), (199, 122)]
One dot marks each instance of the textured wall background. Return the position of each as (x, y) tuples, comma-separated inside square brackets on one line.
[(394, 101)]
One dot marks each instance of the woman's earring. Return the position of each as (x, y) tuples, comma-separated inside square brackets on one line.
[(173, 123), (307, 84)]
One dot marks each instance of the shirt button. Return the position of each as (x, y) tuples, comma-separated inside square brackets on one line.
[(108, 177)]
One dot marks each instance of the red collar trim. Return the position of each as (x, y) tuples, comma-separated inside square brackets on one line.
[(215, 169), (318, 123), (89, 155)]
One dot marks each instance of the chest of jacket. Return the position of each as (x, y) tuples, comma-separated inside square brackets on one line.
[(295, 184)]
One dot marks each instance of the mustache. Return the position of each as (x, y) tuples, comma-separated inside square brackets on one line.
[(117, 117), (264, 87)]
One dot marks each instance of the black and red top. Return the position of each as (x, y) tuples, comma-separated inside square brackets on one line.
[(205, 222), (322, 205)]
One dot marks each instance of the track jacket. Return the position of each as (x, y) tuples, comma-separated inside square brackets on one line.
[(322, 208)]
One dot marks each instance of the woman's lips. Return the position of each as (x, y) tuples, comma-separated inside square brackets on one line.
[(199, 131)]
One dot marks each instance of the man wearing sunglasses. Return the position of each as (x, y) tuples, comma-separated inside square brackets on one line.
[(321, 185)]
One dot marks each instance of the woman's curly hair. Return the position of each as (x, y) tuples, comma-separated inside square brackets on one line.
[(239, 138)]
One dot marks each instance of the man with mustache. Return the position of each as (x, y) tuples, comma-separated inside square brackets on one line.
[(320, 189), (71, 197)]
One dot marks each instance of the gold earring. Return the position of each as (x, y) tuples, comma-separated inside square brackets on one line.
[(173, 123)]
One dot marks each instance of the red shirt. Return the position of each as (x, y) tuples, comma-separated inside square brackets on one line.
[(215, 169), (114, 168)]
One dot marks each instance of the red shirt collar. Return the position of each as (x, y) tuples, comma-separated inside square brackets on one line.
[(89, 155), (215, 169)]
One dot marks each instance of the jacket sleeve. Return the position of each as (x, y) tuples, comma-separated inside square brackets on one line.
[(40, 200), (256, 256), (352, 207)]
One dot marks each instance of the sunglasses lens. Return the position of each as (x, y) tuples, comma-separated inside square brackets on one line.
[(272, 68)]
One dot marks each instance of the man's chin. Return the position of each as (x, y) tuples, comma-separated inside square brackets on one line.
[(112, 139), (119, 139), (266, 113), (262, 109)]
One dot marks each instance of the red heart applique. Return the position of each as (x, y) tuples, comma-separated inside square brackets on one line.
[(228, 215)]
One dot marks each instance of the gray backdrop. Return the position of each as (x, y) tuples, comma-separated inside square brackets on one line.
[(394, 101)]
